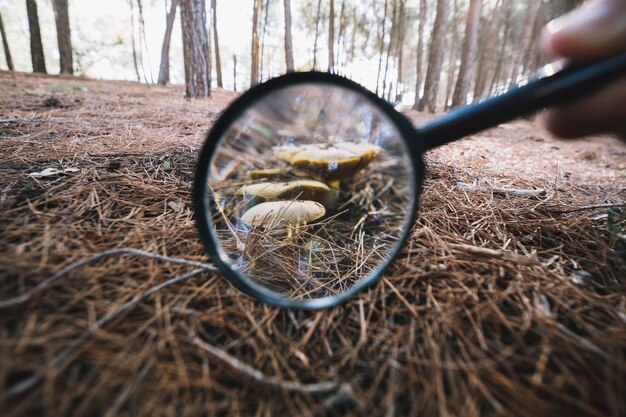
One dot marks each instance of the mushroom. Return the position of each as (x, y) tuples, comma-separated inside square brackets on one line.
[(331, 163), (270, 173), (301, 189), (294, 213), (287, 152)]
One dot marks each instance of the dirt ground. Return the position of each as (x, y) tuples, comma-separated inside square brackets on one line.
[(500, 304)]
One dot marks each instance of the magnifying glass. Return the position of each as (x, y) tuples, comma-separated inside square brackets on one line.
[(307, 186)]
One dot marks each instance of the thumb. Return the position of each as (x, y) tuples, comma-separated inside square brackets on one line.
[(591, 32)]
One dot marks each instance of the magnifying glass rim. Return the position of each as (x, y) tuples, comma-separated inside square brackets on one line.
[(244, 102)]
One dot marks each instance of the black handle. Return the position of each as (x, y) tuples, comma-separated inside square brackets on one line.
[(562, 87)]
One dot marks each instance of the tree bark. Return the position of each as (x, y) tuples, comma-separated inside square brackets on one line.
[(288, 47), (452, 53), (218, 62), (468, 54), (392, 36), (340, 36), (317, 32), (234, 72), (36, 48), (132, 38), (209, 55), (142, 38), (533, 8), (435, 57), (195, 48), (164, 68), (331, 37), (64, 35), (501, 54), (350, 55), (254, 63), (5, 45), (485, 63), (399, 51), (531, 45), (265, 9), (420, 53), (382, 46)]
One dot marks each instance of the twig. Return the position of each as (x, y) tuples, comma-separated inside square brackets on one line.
[(590, 207), (120, 251), (516, 192), (37, 378), (257, 376), (7, 121), (492, 253)]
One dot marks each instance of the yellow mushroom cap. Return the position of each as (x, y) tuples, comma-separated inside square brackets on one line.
[(287, 152), (293, 212), (269, 173), (335, 162), (303, 189)]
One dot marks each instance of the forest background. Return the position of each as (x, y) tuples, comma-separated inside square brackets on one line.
[(461, 49)]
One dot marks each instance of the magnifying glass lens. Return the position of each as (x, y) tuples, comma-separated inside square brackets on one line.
[(310, 192)]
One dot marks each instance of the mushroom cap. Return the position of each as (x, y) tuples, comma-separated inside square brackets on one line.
[(287, 152), (292, 212), (270, 173), (335, 162), (303, 189)]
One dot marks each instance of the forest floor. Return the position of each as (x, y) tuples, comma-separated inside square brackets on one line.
[(518, 309)]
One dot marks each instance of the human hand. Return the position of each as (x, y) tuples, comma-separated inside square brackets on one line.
[(594, 31)]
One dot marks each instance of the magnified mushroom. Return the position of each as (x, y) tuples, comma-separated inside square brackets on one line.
[(331, 163), (301, 189), (286, 153), (294, 213), (270, 173)]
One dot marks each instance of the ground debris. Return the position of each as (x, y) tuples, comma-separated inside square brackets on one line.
[(455, 324)]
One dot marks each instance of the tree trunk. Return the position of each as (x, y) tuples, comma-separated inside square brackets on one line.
[(254, 63), (468, 54), (485, 63), (382, 46), (288, 47), (132, 38), (420, 53), (399, 51), (501, 54), (452, 49), (218, 63), (195, 48), (435, 57), (209, 55), (340, 36), (5, 44), (36, 48), (317, 32), (533, 8), (142, 38), (531, 46), (64, 35), (392, 36), (350, 55), (234, 72), (331, 37), (164, 68), (265, 8)]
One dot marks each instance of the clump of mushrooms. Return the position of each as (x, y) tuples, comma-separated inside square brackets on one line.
[(297, 202), (336, 162)]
